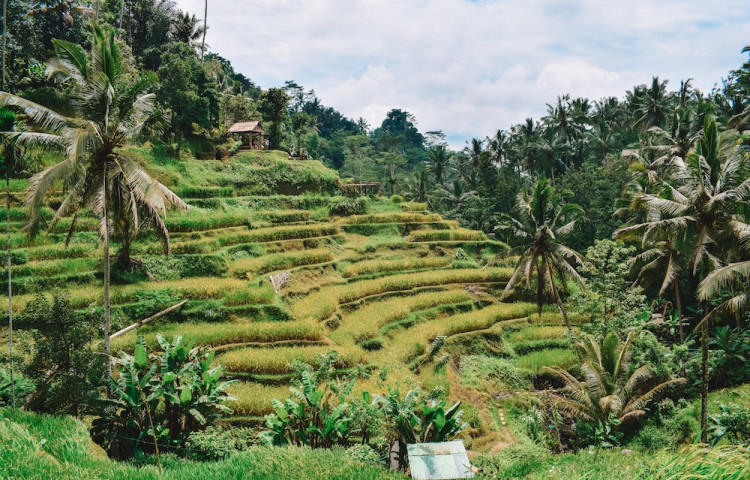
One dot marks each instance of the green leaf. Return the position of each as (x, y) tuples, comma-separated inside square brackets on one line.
[(141, 358), (186, 396)]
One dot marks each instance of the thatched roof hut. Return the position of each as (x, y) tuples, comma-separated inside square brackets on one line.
[(247, 127)]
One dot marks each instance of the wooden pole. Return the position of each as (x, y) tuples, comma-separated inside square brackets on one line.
[(140, 323)]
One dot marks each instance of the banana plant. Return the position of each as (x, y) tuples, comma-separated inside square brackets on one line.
[(174, 385)]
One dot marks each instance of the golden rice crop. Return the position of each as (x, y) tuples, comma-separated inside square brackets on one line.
[(446, 235), (366, 322), (255, 398), (280, 261), (290, 232), (225, 333), (323, 303), (537, 333), (394, 217), (278, 359), (376, 266), (403, 345)]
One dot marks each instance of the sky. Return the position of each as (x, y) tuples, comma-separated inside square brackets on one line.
[(469, 68)]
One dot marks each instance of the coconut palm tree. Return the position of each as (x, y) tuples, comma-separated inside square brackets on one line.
[(95, 172), (608, 388), (542, 216), (711, 186), (663, 259), (439, 159), (654, 105)]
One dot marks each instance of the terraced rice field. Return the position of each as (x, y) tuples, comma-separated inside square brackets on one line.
[(377, 287)]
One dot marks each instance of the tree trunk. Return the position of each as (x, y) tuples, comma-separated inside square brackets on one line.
[(96, 15), (539, 290), (559, 301), (205, 27), (704, 382), (8, 264), (107, 325), (679, 309), (5, 39)]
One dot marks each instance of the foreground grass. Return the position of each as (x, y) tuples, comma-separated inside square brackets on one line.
[(37, 447)]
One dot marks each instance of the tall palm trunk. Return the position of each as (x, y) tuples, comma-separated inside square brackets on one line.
[(205, 27), (96, 15), (5, 38), (679, 309), (704, 382), (7, 224), (559, 300), (10, 289), (107, 326)]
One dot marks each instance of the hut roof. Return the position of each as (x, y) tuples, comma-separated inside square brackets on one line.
[(247, 127)]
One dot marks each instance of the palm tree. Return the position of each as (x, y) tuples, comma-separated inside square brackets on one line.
[(186, 28), (732, 276), (654, 105), (702, 208), (541, 217), (439, 156), (418, 186), (95, 172), (662, 258), (608, 387), (455, 194)]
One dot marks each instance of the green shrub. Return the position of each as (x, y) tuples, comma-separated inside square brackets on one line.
[(397, 199), (16, 257), (493, 374), (372, 344), (206, 311), (364, 454), (344, 206), (210, 445), (206, 192)]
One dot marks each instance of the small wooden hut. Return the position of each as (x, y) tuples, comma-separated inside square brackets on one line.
[(251, 134)]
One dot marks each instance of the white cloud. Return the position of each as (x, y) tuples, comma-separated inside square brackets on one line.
[(469, 68)]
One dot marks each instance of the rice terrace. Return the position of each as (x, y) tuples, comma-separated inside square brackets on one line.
[(206, 278)]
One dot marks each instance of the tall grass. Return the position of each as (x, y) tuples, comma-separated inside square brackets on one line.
[(366, 322), (279, 359), (553, 357), (279, 261), (461, 234), (404, 345), (40, 447), (323, 303), (217, 334), (367, 267), (393, 217)]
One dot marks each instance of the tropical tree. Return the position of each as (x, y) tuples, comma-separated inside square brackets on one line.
[(663, 258), (653, 105), (701, 210), (542, 216), (438, 164), (609, 387), (96, 173)]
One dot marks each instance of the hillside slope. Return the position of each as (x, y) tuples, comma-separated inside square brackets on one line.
[(375, 280)]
